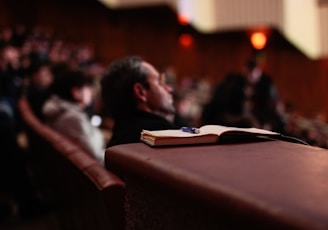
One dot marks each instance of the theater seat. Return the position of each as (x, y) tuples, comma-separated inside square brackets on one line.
[(86, 194)]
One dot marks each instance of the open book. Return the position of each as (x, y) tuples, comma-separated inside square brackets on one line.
[(207, 134)]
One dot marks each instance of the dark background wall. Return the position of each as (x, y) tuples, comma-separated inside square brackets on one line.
[(153, 33)]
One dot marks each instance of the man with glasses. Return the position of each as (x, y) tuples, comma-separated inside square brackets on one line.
[(135, 95)]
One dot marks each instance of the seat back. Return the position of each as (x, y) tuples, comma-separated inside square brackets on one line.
[(86, 194)]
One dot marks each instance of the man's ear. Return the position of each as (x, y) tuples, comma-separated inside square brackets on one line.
[(140, 92)]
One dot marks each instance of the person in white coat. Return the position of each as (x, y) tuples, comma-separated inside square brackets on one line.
[(72, 92)]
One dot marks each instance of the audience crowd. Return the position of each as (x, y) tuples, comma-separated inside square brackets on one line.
[(31, 59)]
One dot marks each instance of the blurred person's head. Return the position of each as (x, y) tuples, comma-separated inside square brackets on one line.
[(10, 58), (133, 84), (84, 54), (7, 34), (42, 76), (11, 54), (253, 71), (58, 52), (73, 86)]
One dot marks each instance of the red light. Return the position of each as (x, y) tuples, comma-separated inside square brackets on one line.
[(183, 20), (258, 40), (185, 40)]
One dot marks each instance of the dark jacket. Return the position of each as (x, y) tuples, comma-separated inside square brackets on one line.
[(127, 129)]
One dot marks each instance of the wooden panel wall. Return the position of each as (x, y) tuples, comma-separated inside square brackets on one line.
[(153, 34)]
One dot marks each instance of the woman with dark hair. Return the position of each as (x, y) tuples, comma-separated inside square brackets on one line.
[(72, 92)]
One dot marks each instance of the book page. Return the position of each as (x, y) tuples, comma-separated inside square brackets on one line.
[(204, 130), (218, 129)]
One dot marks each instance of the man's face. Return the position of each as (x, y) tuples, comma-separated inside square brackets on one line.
[(159, 94)]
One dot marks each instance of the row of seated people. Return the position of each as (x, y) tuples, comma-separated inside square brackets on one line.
[(63, 162), (64, 159), (68, 167), (60, 96), (35, 57), (29, 57)]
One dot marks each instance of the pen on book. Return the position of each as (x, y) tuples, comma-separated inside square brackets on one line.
[(189, 130)]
